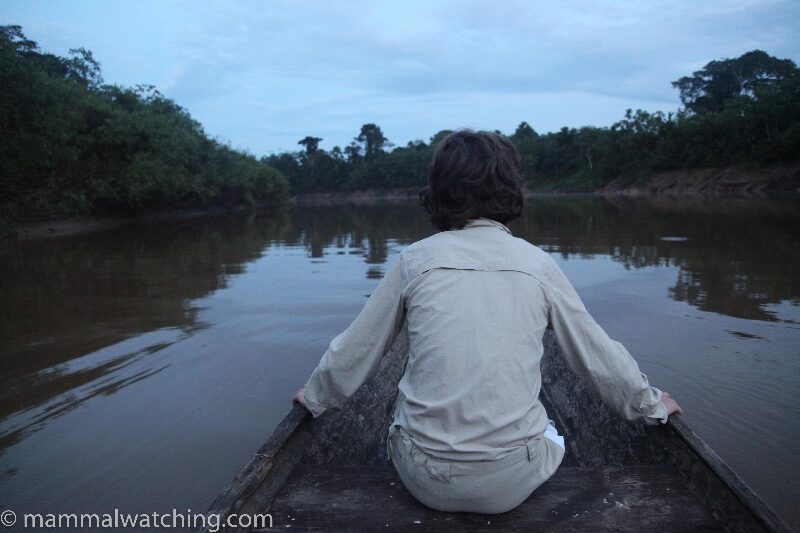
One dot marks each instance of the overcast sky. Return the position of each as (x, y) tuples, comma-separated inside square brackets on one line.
[(264, 74)]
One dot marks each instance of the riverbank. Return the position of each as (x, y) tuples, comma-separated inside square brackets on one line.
[(684, 184), (712, 181), (365, 196), (730, 181), (64, 227)]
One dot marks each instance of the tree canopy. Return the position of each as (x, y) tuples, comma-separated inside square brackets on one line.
[(741, 111), (710, 88), (372, 140), (73, 145), (311, 144)]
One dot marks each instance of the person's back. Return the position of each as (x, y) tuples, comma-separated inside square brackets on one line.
[(469, 432), (476, 312)]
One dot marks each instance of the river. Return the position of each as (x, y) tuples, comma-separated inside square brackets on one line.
[(142, 366)]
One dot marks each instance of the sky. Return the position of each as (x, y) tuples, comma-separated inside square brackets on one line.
[(262, 75)]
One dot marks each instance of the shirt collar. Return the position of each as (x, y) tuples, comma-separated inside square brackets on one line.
[(483, 221)]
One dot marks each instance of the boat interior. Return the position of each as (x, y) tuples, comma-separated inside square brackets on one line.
[(332, 473)]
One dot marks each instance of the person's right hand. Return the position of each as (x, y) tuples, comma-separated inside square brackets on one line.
[(671, 405), (300, 397)]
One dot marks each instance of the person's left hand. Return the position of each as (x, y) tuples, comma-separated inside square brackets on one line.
[(672, 406), (300, 397)]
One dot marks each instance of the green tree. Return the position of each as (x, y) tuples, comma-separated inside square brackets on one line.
[(82, 67), (311, 144), (353, 152), (71, 145), (707, 90), (524, 131), (756, 124), (439, 136), (13, 40), (373, 140)]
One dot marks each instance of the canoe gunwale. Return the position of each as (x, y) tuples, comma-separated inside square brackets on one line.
[(336, 437), (257, 483), (294, 431), (734, 483)]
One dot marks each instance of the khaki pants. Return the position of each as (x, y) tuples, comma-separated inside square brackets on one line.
[(487, 487)]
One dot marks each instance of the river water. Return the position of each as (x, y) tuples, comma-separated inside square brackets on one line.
[(142, 366)]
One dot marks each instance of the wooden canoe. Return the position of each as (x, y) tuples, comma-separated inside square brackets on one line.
[(332, 473)]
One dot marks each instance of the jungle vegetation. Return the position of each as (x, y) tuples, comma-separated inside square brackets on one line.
[(72, 145), (743, 111)]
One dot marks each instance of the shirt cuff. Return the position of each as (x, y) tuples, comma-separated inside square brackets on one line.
[(656, 413), (314, 406)]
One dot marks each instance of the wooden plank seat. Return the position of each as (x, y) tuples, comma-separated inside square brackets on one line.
[(612, 498)]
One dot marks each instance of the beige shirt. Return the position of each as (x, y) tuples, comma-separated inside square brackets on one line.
[(477, 302)]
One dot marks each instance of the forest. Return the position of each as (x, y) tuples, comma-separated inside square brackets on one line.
[(73, 145), (743, 111)]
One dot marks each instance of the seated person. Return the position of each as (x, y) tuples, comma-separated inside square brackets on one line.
[(469, 432)]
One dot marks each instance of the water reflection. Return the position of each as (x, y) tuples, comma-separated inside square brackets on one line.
[(735, 257), (65, 300), (368, 230), (69, 297), (87, 317)]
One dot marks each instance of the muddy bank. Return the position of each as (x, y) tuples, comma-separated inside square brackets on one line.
[(73, 226), (731, 181), (712, 181), (358, 197), (64, 227), (683, 184)]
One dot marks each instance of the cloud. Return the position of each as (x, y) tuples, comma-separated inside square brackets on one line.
[(263, 75)]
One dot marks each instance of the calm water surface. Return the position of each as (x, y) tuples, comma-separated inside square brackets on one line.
[(141, 367)]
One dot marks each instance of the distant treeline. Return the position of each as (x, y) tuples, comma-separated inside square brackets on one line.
[(743, 111), (71, 145)]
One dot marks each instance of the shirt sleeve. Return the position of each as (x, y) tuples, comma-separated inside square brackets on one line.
[(354, 355), (601, 362)]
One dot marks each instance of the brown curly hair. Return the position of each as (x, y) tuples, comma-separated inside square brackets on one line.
[(473, 174)]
